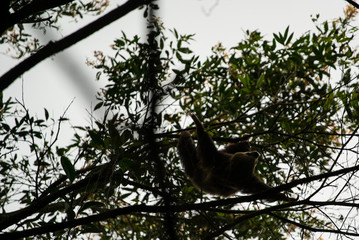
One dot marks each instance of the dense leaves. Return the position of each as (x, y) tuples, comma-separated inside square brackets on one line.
[(296, 98)]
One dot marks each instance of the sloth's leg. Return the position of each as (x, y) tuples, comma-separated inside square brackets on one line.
[(188, 154)]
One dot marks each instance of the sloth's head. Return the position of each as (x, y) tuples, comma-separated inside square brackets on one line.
[(244, 162), (252, 154)]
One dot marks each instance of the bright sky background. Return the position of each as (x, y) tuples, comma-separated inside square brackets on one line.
[(55, 82)]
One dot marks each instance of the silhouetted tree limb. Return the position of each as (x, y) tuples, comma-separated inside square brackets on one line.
[(27, 11), (54, 47), (270, 211), (163, 209), (98, 179), (4, 13), (353, 3), (197, 206), (303, 226), (154, 63)]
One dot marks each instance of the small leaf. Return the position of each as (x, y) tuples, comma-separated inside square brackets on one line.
[(260, 81), (68, 168), (289, 39), (46, 114), (276, 37), (96, 138), (98, 105)]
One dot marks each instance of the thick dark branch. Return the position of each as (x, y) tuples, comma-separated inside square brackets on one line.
[(73, 223), (353, 3), (54, 47), (281, 188), (13, 218), (29, 10), (285, 207), (163, 209), (122, 211), (312, 229), (4, 14), (153, 62), (98, 179)]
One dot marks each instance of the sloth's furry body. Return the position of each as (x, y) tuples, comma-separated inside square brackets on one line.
[(223, 172)]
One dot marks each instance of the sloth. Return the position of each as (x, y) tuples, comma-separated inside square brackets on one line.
[(223, 172)]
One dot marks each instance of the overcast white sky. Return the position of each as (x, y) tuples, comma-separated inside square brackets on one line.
[(55, 82)]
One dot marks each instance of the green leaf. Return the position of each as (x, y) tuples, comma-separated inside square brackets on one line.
[(125, 136), (289, 39), (98, 105), (286, 33), (96, 138), (46, 114), (68, 168), (277, 38), (260, 81), (184, 50)]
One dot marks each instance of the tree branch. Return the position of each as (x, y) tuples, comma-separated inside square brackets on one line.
[(54, 47), (11, 218), (312, 229), (96, 180), (163, 209), (28, 10), (353, 3)]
